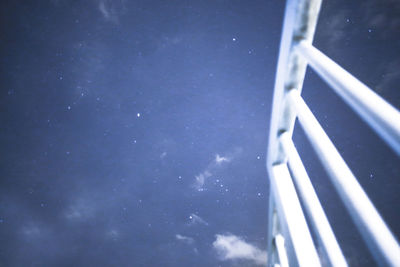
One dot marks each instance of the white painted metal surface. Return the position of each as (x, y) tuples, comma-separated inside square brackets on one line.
[(290, 242), (280, 247), (379, 114), (311, 202), (291, 214), (371, 225)]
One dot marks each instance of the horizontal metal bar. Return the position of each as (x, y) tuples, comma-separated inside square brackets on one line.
[(292, 215), (377, 235), (378, 113), (280, 247), (312, 204)]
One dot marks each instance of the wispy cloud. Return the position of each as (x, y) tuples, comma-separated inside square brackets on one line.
[(219, 160), (80, 210), (111, 10), (195, 219), (382, 17), (336, 25), (113, 234), (32, 230), (201, 179), (185, 239), (213, 166), (335, 29), (231, 247), (390, 76), (377, 21), (163, 155)]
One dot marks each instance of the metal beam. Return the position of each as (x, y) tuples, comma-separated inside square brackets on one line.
[(374, 110), (291, 214), (379, 239), (311, 202)]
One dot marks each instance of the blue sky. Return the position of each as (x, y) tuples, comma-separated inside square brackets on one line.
[(134, 132)]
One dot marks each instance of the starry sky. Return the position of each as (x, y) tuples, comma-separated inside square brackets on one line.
[(134, 133)]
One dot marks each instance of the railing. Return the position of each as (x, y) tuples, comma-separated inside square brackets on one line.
[(290, 242)]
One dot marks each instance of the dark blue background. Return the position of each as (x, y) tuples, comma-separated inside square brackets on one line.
[(85, 181)]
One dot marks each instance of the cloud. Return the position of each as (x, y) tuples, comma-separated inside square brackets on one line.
[(219, 160), (168, 42), (184, 239), (32, 230), (113, 234), (390, 76), (111, 9), (201, 179), (36, 232), (337, 22), (213, 166), (379, 22), (382, 17), (333, 29), (79, 210), (195, 219), (231, 247)]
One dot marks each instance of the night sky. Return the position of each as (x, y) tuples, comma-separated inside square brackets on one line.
[(134, 133)]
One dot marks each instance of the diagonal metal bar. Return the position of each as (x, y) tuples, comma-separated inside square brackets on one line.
[(379, 114), (291, 214), (381, 242), (312, 204), (280, 247)]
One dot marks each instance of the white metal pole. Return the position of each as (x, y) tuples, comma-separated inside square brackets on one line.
[(280, 247), (291, 214), (374, 230), (379, 114), (312, 204)]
